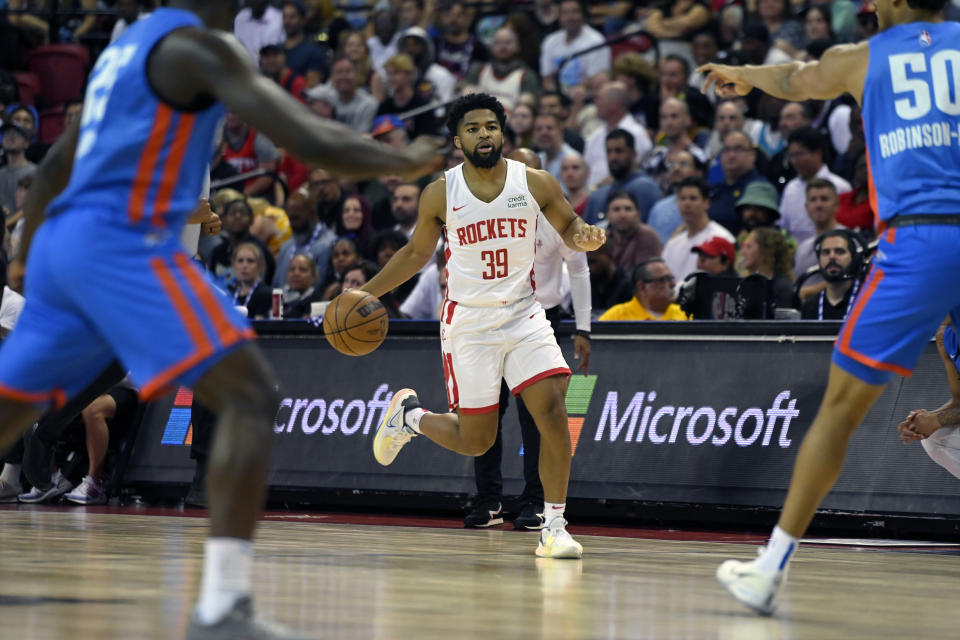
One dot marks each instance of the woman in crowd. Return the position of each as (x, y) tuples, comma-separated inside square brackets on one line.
[(237, 218), (355, 223), (521, 121), (354, 46), (250, 289), (765, 251), (343, 256), (301, 289), (816, 24)]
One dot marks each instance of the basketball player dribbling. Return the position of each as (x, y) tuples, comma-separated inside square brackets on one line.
[(906, 79), (106, 275), (491, 327)]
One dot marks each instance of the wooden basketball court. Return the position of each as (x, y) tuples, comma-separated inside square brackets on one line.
[(76, 574)]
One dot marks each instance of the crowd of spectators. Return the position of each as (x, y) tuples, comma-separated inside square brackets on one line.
[(683, 182)]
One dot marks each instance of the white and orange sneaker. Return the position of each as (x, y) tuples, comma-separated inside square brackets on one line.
[(393, 432)]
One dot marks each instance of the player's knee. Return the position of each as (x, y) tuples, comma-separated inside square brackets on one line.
[(481, 443)]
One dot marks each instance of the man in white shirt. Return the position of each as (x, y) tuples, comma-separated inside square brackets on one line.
[(548, 138), (257, 26), (613, 102), (822, 208), (693, 201), (574, 36), (805, 151)]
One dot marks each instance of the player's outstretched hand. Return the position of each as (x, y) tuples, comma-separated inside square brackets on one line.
[(590, 238), (728, 81), (424, 157)]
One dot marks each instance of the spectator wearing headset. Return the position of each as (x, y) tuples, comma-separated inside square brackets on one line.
[(840, 257)]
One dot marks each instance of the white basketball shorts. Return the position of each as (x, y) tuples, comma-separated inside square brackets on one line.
[(481, 345)]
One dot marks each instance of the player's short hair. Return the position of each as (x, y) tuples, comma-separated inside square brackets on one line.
[(695, 181), (470, 102)]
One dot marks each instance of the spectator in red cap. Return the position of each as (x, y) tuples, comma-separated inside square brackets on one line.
[(716, 257)]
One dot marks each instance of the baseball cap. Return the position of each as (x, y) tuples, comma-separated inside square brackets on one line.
[(323, 93), (759, 194), (717, 246), (385, 124), (13, 126)]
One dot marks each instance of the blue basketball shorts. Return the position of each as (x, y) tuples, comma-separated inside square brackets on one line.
[(95, 292), (913, 285)]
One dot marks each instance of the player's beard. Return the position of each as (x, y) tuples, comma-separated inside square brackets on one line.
[(481, 161)]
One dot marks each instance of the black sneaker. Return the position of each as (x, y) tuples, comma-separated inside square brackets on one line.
[(484, 514), (530, 518)]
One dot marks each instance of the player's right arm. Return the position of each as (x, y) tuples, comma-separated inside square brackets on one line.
[(50, 178), (195, 62), (411, 258), (841, 69)]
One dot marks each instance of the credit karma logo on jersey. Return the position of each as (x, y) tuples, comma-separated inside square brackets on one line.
[(643, 419), (328, 416)]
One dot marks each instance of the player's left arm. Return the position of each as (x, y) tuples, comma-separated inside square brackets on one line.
[(50, 178), (841, 69), (576, 234)]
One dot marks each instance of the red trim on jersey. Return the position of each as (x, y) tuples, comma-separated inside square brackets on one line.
[(843, 343), (453, 392), (172, 167), (872, 191), (57, 396), (517, 390), (148, 163), (203, 347), (226, 331), (478, 410), (451, 305)]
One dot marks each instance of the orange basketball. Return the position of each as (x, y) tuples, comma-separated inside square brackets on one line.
[(355, 323)]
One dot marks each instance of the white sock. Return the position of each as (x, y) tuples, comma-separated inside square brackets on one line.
[(412, 418), (553, 514), (779, 550), (227, 567), (11, 473)]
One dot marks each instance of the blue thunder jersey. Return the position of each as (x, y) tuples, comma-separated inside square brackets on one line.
[(911, 119), (138, 160)]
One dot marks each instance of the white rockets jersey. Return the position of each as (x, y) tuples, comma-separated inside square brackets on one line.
[(490, 245)]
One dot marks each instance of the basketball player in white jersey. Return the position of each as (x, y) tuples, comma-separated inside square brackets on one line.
[(491, 326)]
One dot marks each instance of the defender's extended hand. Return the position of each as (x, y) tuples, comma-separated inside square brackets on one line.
[(424, 157), (590, 238), (728, 81)]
